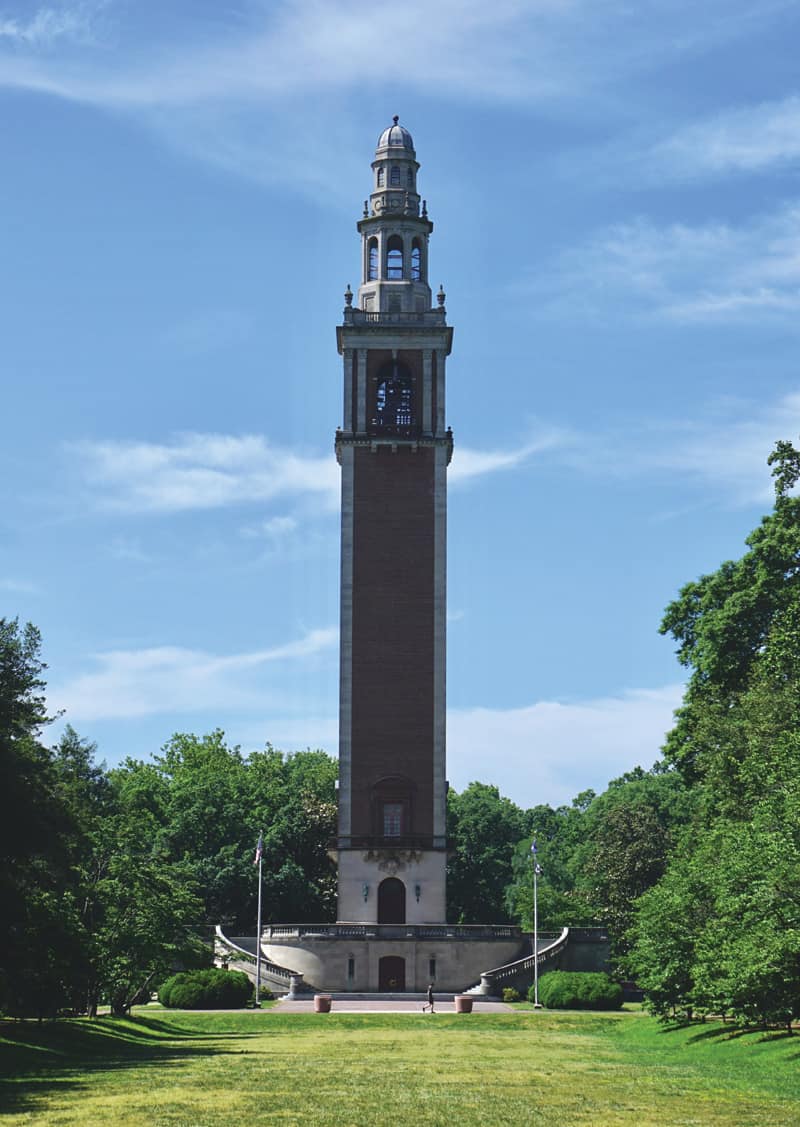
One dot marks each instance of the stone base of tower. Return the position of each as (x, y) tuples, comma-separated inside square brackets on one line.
[(392, 886), (368, 959)]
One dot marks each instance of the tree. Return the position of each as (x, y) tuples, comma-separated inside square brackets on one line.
[(212, 802), (737, 743), (484, 829), (558, 835), (38, 918), (729, 623), (669, 920), (628, 834)]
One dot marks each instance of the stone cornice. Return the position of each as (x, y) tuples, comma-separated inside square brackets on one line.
[(347, 438)]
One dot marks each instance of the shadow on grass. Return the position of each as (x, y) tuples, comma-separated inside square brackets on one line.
[(37, 1059), (720, 1031), (715, 1033)]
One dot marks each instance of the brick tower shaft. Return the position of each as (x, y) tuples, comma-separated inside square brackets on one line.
[(393, 448)]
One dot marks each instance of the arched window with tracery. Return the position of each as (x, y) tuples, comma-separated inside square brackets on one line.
[(394, 401), (416, 261), (394, 258), (372, 260)]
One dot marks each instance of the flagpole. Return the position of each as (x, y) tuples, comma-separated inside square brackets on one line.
[(536, 871), (259, 850), (535, 933)]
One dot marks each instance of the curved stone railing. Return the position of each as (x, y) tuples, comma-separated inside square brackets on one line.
[(284, 978), (492, 980)]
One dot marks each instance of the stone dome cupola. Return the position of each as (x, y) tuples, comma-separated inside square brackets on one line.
[(395, 136), (394, 186), (394, 230)]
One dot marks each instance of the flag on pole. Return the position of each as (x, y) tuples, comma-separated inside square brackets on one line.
[(259, 849), (534, 850), (537, 868)]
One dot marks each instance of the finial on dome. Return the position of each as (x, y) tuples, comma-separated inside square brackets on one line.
[(396, 136)]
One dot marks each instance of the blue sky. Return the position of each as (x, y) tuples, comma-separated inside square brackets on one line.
[(616, 203)]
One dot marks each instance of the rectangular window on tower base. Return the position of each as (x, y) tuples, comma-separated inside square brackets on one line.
[(392, 819)]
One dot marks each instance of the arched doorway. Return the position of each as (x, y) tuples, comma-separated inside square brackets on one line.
[(391, 901), (391, 973)]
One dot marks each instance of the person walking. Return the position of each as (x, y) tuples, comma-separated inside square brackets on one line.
[(429, 1004)]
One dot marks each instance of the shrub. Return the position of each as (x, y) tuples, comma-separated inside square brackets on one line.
[(578, 990), (510, 994), (206, 990)]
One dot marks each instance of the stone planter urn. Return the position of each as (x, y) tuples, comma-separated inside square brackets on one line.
[(322, 1003), (463, 1004)]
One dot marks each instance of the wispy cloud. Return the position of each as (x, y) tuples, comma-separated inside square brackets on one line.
[(272, 54), (170, 679), (726, 445), (208, 471), (722, 446), (747, 139), (71, 22), (272, 529), (712, 273), (469, 463), (549, 750), (237, 90), (202, 471)]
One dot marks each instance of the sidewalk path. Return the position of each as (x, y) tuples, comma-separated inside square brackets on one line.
[(386, 1006)]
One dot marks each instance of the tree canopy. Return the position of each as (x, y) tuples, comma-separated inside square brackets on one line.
[(734, 883)]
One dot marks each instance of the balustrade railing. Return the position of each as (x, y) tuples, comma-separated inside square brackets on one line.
[(550, 945), (392, 931), (424, 317)]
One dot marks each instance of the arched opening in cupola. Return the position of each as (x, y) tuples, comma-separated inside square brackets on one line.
[(394, 258), (416, 261), (394, 176), (372, 260), (380, 177)]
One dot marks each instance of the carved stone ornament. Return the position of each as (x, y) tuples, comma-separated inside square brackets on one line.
[(392, 861)]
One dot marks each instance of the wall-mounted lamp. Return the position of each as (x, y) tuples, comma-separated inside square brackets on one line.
[(417, 891), (365, 892)]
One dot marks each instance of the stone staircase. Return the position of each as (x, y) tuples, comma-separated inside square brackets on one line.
[(520, 972), (239, 953)]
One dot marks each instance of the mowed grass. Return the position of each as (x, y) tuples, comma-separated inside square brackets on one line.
[(346, 1069)]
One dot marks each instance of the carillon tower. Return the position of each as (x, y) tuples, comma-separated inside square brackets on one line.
[(394, 449)]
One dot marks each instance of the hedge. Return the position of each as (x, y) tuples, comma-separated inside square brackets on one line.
[(206, 990), (578, 990)]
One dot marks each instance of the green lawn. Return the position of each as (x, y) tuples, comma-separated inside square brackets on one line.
[(520, 1068)]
